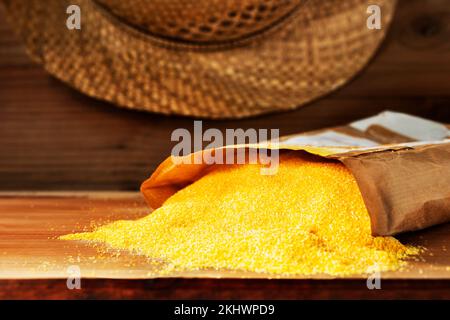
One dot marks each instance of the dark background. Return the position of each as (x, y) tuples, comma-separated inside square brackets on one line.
[(54, 138)]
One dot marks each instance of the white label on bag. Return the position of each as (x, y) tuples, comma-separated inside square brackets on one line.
[(416, 128)]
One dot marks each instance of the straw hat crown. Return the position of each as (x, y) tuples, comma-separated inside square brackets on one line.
[(202, 21), (203, 58)]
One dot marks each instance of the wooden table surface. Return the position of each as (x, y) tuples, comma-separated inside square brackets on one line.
[(30, 225), (54, 138)]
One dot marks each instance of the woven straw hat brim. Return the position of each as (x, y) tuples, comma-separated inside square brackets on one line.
[(312, 52)]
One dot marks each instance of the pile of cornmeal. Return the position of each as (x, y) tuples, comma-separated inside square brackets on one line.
[(308, 218)]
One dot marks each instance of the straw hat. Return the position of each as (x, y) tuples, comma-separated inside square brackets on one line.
[(204, 58)]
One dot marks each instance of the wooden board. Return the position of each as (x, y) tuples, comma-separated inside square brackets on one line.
[(30, 224)]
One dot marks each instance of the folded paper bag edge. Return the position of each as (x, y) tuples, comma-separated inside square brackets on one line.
[(171, 176)]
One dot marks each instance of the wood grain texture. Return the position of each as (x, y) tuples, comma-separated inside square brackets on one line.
[(54, 138), (30, 223), (223, 289)]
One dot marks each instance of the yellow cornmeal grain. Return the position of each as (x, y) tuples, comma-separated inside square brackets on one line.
[(309, 218)]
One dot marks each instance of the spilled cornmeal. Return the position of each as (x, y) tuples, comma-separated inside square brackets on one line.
[(309, 218)]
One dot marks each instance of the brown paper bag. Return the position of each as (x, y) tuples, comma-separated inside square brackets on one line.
[(405, 186)]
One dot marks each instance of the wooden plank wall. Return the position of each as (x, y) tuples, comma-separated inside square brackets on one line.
[(54, 138)]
